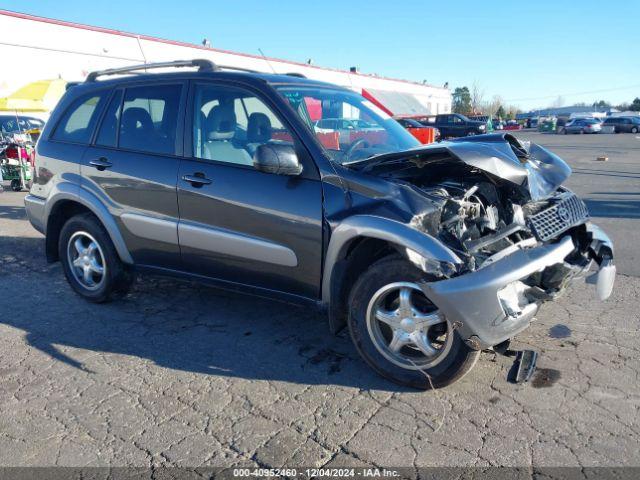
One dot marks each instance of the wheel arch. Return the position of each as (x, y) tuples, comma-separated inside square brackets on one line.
[(361, 240), (69, 200)]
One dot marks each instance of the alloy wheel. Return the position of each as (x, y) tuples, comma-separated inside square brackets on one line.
[(86, 260), (406, 328)]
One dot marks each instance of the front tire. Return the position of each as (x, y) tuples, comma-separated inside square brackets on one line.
[(634, 130), (400, 333), (90, 260)]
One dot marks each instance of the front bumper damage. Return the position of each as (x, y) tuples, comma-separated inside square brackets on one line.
[(492, 304)]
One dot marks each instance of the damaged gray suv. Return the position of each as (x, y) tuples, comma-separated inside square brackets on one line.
[(428, 254)]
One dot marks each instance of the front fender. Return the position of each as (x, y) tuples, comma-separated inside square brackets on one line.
[(381, 228), (70, 191)]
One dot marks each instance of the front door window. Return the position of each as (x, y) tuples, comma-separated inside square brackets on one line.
[(230, 124)]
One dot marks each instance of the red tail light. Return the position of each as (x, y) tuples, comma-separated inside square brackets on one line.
[(12, 153)]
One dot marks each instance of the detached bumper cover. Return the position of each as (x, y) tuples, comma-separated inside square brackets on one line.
[(35, 207), (488, 306)]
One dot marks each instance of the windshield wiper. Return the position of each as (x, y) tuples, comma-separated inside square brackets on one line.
[(363, 160)]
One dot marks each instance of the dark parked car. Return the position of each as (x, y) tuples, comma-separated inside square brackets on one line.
[(411, 124), (15, 127), (457, 125), (623, 124), (429, 254), (11, 123)]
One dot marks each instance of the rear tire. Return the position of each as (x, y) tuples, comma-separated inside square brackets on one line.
[(16, 185), (449, 359), (90, 261)]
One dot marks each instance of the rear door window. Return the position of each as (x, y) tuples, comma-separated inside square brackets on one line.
[(78, 122), (149, 119), (107, 135)]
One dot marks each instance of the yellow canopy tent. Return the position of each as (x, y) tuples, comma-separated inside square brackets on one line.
[(39, 96)]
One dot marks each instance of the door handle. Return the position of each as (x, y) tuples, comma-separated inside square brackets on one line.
[(197, 179), (101, 163)]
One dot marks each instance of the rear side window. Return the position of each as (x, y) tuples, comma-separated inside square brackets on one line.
[(78, 122), (149, 119)]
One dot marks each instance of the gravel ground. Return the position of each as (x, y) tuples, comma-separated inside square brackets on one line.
[(178, 374)]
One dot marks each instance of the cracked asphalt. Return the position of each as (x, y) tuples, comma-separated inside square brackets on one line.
[(179, 374)]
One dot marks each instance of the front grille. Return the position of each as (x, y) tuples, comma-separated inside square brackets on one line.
[(558, 218)]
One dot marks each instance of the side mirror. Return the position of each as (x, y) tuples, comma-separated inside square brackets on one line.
[(277, 158)]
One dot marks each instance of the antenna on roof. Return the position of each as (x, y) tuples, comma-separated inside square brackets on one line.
[(267, 60)]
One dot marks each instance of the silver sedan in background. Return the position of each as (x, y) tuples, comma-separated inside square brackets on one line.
[(583, 125)]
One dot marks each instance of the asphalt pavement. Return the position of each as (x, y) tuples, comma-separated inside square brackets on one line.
[(179, 374)]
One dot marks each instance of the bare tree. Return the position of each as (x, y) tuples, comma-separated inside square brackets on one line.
[(492, 106), (477, 96), (558, 102), (512, 111)]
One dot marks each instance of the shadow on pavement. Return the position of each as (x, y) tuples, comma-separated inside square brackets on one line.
[(612, 208), (12, 213), (605, 173), (177, 325), (601, 148)]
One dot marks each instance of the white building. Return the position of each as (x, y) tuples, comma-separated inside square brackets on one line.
[(35, 48)]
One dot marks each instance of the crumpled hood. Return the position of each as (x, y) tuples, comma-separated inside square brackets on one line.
[(523, 163), (502, 155)]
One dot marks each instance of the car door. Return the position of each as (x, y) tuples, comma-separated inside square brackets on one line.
[(618, 127), (625, 125), (444, 125), (132, 166), (567, 126), (578, 126), (238, 224), (459, 126)]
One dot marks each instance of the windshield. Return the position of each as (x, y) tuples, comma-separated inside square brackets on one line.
[(349, 127)]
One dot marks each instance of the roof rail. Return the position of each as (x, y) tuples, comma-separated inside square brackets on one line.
[(240, 69), (296, 74), (202, 64)]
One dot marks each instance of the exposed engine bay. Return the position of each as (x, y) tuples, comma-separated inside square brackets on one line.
[(474, 222), (493, 198), (483, 223)]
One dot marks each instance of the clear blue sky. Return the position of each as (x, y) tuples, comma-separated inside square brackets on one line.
[(528, 52)]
